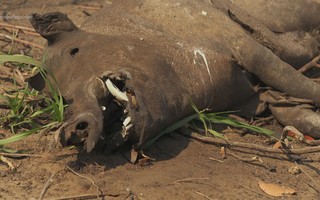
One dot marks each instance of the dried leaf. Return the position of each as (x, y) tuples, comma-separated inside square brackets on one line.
[(5, 160), (275, 190), (277, 145)]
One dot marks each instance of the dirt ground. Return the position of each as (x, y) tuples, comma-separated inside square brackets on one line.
[(184, 168)]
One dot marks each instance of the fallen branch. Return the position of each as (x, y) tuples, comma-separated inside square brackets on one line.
[(255, 147)]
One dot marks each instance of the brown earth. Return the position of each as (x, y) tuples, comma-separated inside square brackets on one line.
[(183, 168)]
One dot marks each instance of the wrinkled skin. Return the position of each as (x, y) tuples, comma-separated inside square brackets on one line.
[(162, 54)]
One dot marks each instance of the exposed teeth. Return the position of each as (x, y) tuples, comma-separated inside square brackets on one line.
[(127, 121), (103, 108), (121, 96), (128, 127)]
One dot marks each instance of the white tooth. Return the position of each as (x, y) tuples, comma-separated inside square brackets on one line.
[(121, 96), (128, 127), (103, 108), (127, 121)]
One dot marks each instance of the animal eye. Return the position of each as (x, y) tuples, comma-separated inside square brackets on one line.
[(74, 51)]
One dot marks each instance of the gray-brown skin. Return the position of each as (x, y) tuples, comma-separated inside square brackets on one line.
[(164, 53)]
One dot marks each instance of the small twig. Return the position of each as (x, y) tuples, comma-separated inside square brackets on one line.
[(12, 31), (21, 41), (261, 121), (19, 155), (205, 196), (17, 27), (90, 7), (46, 186), (249, 160), (214, 159), (256, 147), (312, 179), (84, 196), (189, 180), (92, 182), (236, 117)]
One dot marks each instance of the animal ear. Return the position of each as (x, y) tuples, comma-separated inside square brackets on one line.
[(51, 25), (37, 82)]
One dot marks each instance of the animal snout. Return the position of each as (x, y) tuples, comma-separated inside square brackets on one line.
[(83, 129), (74, 133)]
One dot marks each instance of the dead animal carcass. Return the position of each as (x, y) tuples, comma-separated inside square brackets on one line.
[(131, 70)]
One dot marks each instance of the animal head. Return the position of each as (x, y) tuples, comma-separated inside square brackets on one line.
[(89, 70)]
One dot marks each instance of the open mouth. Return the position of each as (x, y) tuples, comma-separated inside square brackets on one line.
[(114, 105)]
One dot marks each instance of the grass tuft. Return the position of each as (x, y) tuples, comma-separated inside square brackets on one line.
[(207, 119), (30, 111)]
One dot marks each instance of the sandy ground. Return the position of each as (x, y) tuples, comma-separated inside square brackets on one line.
[(183, 168)]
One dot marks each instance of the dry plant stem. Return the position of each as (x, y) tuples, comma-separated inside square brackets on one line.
[(16, 27), (5, 72), (90, 7), (188, 180), (92, 182), (12, 31), (248, 160), (46, 187), (84, 196), (214, 159), (19, 155), (205, 196), (18, 77), (212, 140), (309, 65), (236, 117), (312, 179), (22, 41)]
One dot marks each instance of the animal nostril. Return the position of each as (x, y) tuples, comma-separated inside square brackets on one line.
[(82, 126), (74, 51)]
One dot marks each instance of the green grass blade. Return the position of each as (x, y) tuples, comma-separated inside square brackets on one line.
[(19, 59), (216, 134), (18, 137), (201, 117), (237, 124)]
